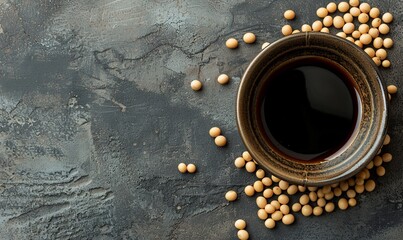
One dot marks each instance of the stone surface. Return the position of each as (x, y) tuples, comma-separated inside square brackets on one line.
[(96, 112)]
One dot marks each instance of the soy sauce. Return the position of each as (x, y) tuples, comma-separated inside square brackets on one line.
[(309, 108)]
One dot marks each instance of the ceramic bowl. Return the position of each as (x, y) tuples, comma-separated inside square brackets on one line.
[(368, 136)]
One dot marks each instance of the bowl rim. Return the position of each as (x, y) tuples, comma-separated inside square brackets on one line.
[(313, 174)]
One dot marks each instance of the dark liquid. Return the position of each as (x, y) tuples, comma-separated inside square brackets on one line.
[(309, 109)]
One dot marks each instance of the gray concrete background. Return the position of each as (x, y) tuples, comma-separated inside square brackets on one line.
[(96, 113)]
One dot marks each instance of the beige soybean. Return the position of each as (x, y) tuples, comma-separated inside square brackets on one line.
[(350, 39), (342, 204), (301, 188), (304, 199), (348, 28), (359, 181), (249, 190), (370, 52), (275, 179), (341, 34), (182, 167), (296, 207), (378, 42), (231, 196), (329, 196), (306, 210), (270, 223), (291, 190), (365, 39), (276, 204), (328, 21), (354, 3), (267, 181), (326, 189), (246, 155), (214, 132), (329, 207), (360, 175), (262, 214), (306, 28), (348, 18), (370, 165), (363, 18), (283, 185), (365, 7), (289, 14), (392, 89), (374, 32), (355, 11), (258, 186), (352, 202), (387, 157), (231, 43), (223, 79), (381, 53), (370, 185), (277, 216), (331, 7), (260, 173), (359, 188), (344, 186), (322, 12), (283, 199), (240, 224), (313, 196), (317, 211), (284, 209), (243, 234), (351, 193), (321, 202), (386, 141), (196, 85), (351, 182), (250, 167), (343, 7), (296, 31), (288, 219), (387, 17), (191, 168), (384, 29), (268, 193), (374, 12), (367, 173), (286, 30), (363, 28), (269, 208), (338, 22), (261, 202), (388, 43), (277, 190), (249, 38), (325, 30), (376, 22), (317, 26), (239, 162), (320, 193), (380, 171), (220, 141)]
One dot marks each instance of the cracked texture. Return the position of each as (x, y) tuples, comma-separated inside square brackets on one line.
[(96, 112)]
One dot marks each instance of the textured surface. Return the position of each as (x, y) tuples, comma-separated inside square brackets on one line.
[(96, 113)]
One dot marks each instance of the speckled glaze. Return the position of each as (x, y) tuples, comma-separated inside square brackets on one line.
[(365, 141)]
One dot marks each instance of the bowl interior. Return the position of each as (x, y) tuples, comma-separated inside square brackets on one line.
[(368, 135)]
